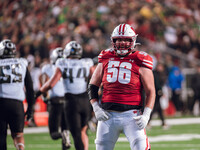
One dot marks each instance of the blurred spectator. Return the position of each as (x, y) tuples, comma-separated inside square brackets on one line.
[(175, 80), (196, 86), (45, 25), (160, 78)]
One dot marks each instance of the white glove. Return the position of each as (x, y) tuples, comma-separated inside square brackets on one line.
[(142, 120), (101, 115)]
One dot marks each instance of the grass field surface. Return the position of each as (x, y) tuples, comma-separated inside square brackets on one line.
[(177, 137)]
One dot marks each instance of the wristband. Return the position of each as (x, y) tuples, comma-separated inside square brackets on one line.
[(38, 93), (93, 91)]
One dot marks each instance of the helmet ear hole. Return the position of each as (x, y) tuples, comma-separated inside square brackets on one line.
[(114, 40)]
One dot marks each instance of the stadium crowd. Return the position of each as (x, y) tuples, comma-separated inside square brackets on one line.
[(39, 26)]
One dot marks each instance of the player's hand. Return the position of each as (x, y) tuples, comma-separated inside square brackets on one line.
[(100, 114), (29, 114), (37, 94), (142, 120), (45, 100)]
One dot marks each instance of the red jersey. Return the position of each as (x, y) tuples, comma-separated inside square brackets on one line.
[(121, 79)]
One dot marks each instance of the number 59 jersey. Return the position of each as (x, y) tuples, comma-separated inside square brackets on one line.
[(121, 79), (75, 73), (12, 75)]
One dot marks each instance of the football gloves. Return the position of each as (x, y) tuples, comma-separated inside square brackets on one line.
[(37, 94), (142, 120), (101, 114)]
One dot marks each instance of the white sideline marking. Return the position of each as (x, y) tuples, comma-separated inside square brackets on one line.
[(170, 137), (179, 121)]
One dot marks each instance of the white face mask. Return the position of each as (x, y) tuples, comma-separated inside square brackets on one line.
[(122, 52)]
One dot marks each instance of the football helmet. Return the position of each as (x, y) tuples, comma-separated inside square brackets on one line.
[(56, 53), (7, 49), (123, 31), (73, 49)]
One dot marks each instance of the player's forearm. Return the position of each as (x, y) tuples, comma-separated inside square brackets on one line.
[(51, 82), (47, 86), (150, 99)]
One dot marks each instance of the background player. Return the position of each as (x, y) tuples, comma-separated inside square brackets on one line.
[(75, 72), (14, 75), (56, 102), (123, 73)]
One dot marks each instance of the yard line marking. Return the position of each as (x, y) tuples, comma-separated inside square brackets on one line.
[(170, 137), (177, 145), (177, 121)]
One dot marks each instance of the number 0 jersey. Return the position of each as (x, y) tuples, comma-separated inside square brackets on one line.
[(12, 74), (75, 74), (58, 89), (121, 79)]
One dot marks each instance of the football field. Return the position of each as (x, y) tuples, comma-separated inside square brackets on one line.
[(183, 134)]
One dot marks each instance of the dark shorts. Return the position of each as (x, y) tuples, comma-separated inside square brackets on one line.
[(12, 113)]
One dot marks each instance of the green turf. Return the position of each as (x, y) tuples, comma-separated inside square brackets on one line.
[(43, 141)]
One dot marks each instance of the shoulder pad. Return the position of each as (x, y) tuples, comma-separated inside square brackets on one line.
[(105, 54), (144, 60), (89, 61), (60, 62), (24, 61)]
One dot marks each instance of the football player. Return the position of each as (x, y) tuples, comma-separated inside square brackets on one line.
[(75, 72), (56, 102), (123, 73), (14, 75)]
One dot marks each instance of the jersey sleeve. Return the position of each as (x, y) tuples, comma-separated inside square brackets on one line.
[(100, 57), (104, 55), (45, 69), (144, 60), (60, 63), (89, 62)]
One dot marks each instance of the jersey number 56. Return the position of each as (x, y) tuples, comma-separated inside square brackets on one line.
[(120, 72)]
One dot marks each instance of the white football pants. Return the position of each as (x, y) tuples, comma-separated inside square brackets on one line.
[(121, 122)]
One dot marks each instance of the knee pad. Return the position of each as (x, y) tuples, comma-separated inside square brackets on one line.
[(141, 144)]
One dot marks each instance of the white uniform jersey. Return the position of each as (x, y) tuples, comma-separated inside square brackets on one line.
[(12, 75), (75, 74), (58, 89)]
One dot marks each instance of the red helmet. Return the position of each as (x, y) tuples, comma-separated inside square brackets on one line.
[(123, 31)]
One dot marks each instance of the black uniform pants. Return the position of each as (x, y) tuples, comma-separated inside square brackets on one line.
[(78, 114)]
